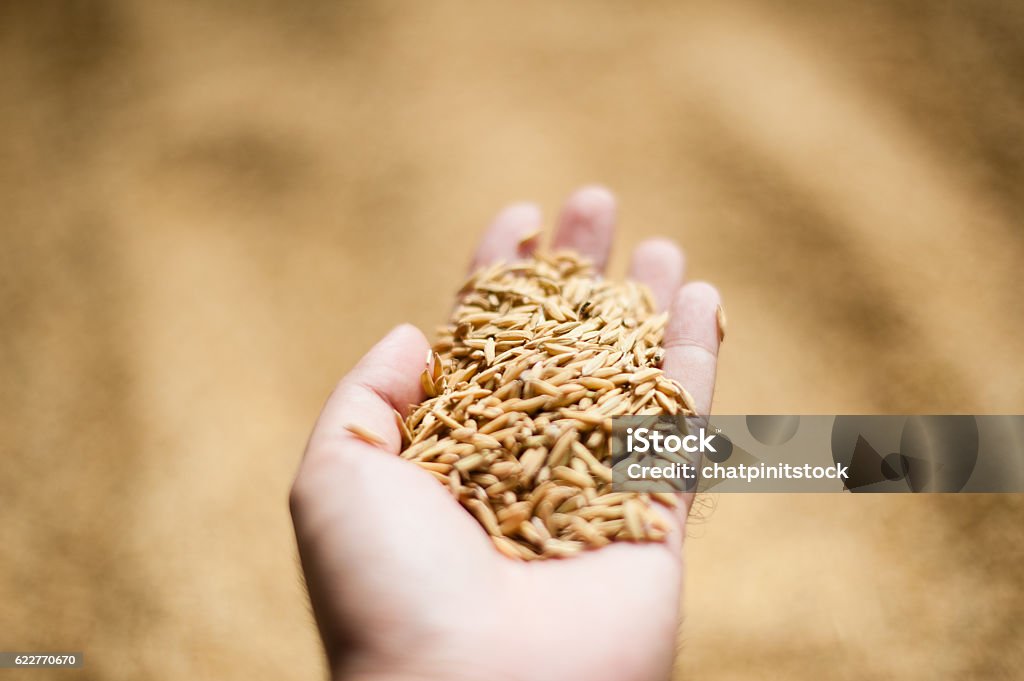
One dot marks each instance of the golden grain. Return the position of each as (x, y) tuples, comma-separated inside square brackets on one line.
[(365, 434), (634, 523), (520, 388), (572, 476)]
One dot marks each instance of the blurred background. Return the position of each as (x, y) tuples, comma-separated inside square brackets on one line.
[(210, 210)]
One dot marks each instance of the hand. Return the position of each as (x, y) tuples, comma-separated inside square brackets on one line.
[(405, 583)]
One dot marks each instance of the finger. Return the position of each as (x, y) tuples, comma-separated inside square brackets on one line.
[(514, 234), (385, 379), (659, 264), (587, 224), (691, 342)]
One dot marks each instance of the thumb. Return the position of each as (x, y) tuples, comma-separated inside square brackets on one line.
[(386, 379)]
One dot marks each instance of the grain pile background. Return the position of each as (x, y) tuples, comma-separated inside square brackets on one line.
[(211, 209)]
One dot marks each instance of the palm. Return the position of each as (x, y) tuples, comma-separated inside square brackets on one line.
[(403, 579)]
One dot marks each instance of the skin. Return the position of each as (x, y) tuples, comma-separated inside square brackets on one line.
[(405, 584)]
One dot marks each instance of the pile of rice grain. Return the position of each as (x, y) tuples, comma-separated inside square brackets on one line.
[(520, 390)]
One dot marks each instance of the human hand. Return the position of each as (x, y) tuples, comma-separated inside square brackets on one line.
[(404, 582)]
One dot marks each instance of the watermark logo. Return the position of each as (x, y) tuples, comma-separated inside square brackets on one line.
[(818, 453), (644, 440)]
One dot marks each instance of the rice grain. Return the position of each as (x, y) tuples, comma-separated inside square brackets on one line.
[(520, 389)]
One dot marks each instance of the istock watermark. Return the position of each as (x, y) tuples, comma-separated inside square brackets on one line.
[(784, 453), (643, 440)]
